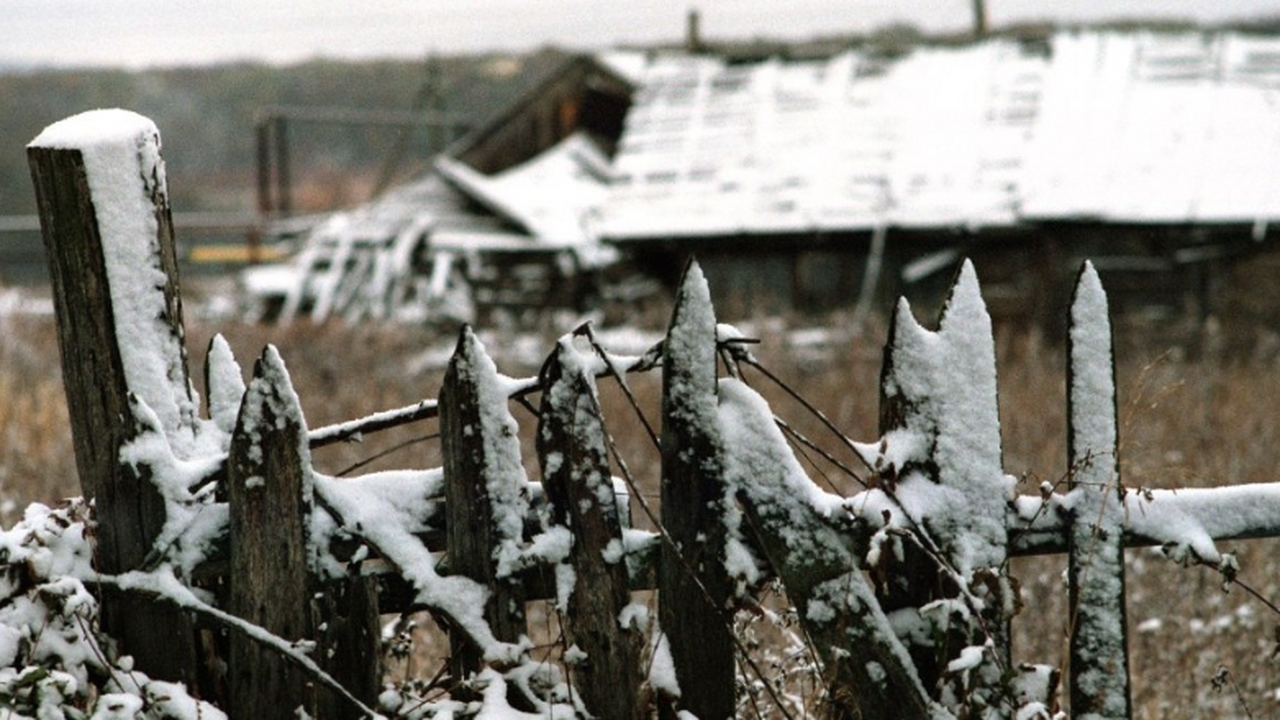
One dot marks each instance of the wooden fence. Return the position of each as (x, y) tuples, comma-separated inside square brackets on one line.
[(902, 590)]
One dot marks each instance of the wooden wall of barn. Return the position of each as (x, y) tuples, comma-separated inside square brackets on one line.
[(1152, 272), (579, 95)]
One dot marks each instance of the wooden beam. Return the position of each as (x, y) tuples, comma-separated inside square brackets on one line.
[(106, 372)]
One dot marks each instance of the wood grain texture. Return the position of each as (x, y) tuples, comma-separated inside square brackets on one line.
[(471, 536), (575, 462), (128, 508), (270, 570), (694, 590)]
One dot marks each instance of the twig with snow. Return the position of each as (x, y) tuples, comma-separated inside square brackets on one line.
[(164, 585)]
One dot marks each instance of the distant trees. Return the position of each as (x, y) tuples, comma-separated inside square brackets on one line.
[(209, 113)]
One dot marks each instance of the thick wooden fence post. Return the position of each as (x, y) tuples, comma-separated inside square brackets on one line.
[(273, 573), (940, 431), (1099, 669), (693, 588), (575, 472), (484, 492), (104, 216)]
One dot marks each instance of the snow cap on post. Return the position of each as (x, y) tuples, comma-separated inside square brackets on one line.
[(942, 386), (105, 223), (125, 175), (1099, 669)]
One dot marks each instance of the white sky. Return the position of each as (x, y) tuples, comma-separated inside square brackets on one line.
[(138, 33)]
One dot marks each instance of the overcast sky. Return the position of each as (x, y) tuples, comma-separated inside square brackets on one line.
[(137, 33)]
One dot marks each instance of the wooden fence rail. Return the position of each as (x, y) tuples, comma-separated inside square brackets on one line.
[(901, 589)]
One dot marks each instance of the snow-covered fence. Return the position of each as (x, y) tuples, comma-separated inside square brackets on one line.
[(235, 568)]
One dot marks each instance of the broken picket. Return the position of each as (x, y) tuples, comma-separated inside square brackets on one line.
[(806, 540), (942, 488), (604, 631)]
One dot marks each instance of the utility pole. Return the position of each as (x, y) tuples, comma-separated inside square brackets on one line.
[(979, 19), (693, 32)]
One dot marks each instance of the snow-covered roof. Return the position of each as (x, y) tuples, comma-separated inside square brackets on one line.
[(1120, 127), (631, 65), (363, 261), (1151, 128), (549, 197)]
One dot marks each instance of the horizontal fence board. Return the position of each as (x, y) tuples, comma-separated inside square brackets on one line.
[(1199, 516)]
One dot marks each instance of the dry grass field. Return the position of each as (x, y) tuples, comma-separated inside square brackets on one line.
[(1213, 420)]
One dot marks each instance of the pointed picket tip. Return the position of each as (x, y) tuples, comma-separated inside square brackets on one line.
[(271, 421), (1091, 387), (468, 343), (693, 300), (224, 383), (1089, 299), (689, 350), (564, 363), (906, 334), (271, 388), (964, 302)]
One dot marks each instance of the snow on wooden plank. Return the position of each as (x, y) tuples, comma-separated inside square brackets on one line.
[(1099, 665), (600, 620), (799, 527), (125, 175), (941, 481), (693, 586), (269, 490), (485, 492), (942, 448), (1188, 521), (105, 220)]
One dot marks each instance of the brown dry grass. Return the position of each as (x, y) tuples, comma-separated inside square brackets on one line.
[(1207, 421)]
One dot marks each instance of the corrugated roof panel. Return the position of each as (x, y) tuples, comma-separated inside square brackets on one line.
[(847, 143), (1158, 128), (1137, 127)]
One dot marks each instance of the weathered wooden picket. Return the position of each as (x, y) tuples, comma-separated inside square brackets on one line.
[(902, 589)]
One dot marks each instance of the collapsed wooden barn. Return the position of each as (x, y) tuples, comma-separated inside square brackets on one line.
[(498, 222), (818, 184), (812, 184)]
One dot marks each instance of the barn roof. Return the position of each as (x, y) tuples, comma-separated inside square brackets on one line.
[(1164, 128)]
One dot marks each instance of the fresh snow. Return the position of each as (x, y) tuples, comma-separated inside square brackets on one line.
[(503, 471), (947, 379), (124, 170)]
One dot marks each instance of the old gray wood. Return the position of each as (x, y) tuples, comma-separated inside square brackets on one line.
[(269, 489), (693, 588), (471, 527), (575, 472), (1099, 664), (128, 508)]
